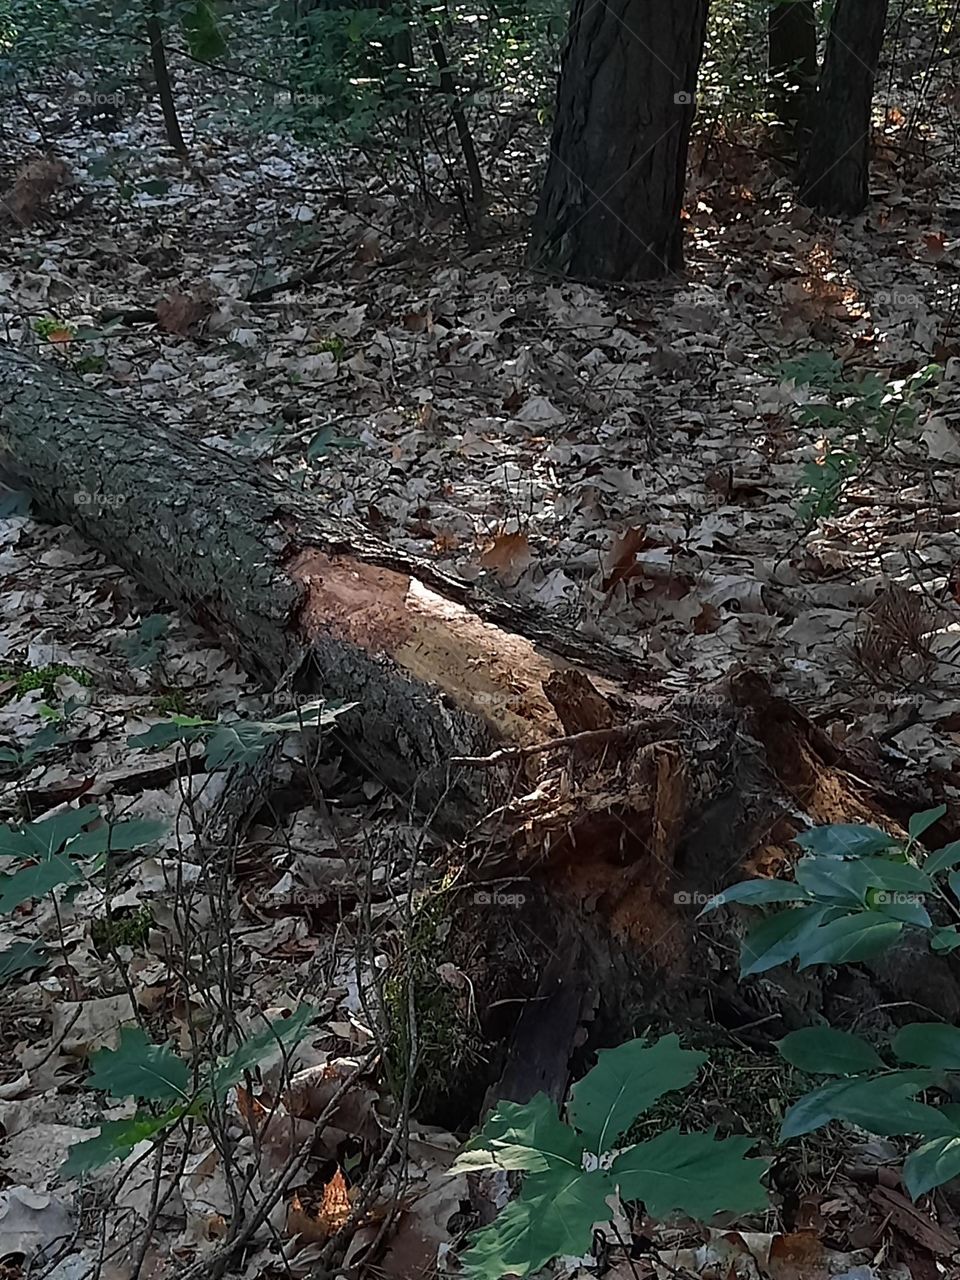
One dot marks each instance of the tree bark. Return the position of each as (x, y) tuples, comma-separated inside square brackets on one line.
[(835, 175), (621, 811), (161, 75), (439, 668), (792, 60), (612, 196)]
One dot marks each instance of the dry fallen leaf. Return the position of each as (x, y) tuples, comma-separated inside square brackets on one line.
[(621, 560), (179, 313), (507, 555), (330, 1215)]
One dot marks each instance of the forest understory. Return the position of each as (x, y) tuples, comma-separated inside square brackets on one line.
[(455, 632)]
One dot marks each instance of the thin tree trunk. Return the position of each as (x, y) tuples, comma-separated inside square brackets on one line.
[(161, 74), (448, 88), (835, 175), (613, 192)]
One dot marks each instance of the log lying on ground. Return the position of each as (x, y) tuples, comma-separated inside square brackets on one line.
[(440, 670), (627, 808)]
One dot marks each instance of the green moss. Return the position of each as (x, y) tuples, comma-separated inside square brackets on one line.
[(47, 326), (42, 678), (172, 702), (128, 929), (738, 1089), (449, 1045), (334, 344)]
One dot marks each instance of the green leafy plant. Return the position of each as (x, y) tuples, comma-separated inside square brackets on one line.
[(881, 1099), (855, 892), (18, 760), (859, 419), (58, 850), (147, 645), (53, 330), (154, 1073), (129, 928), (572, 1168), (237, 742), (43, 678), (327, 439)]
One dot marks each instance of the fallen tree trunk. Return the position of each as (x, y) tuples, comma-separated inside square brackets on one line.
[(440, 669), (623, 810)]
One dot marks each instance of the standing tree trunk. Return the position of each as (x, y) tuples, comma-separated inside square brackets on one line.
[(835, 176), (791, 60), (611, 200), (161, 74)]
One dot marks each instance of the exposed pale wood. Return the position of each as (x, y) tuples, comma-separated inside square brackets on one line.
[(439, 668)]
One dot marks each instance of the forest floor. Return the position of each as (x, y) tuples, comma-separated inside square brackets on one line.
[(638, 461)]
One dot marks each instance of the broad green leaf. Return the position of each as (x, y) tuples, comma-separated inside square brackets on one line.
[(242, 742), (167, 732), (36, 881), (756, 892), (908, 910), (897, 877), (118, 837), (777, 938), (928, 1044), (931, 1165), (49, 835), (851, 938), (282, 1034), (554, 1215), (826, 1051), (624, 1083), (312, 715), (693, 1173), (953, 880), (139, 1069), (20, 958), (944, 941), (920, 822), (845, 840), (883, 1104), (236, 745), (831, 878), (943, 859), (522, 1135), (116, 1139), (15, 843), (327, 439)]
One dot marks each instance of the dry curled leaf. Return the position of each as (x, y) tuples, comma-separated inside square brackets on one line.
[(319, 1224), (180, 312), (35, 182), (507, 555)]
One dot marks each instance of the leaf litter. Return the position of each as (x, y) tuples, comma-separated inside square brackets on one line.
[(631, 460)]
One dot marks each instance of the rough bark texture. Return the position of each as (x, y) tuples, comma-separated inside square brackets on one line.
[(615, 813), (792, 60), (835, 177), (439, 669), (611, 199)]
